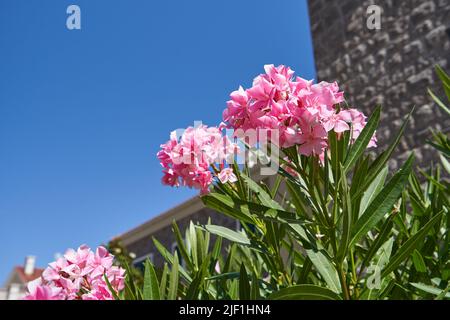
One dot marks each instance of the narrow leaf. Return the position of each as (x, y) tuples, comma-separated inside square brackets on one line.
[(373, 190), (430, 289), (151, 285), (412, 243), (326, 269), (244, 285), (304, 292), (383, 202), (228, 234), (363, 139), (174, 278)]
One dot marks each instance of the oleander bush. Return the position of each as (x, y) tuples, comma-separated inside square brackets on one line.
[(322, 215)]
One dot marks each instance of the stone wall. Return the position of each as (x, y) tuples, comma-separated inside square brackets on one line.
[(392, 66)]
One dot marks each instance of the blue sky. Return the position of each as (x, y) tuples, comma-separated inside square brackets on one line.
[(83, 112)]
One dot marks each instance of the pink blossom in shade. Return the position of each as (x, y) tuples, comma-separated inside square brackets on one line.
[(373, 141), (79, 274), (227, 175), (313, 139), (337, 122), (358, 122)]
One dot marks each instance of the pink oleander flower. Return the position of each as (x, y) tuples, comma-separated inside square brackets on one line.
[(313, 139), (337, 122), (37, 291), (279, 108), (187, 160), (227, 175), (78, 275), (302, 111), (358, 121)]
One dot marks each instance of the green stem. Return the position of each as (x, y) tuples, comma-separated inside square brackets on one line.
[(343, 283), (355, 276)]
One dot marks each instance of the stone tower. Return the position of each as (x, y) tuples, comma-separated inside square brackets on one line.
[(391, 66)]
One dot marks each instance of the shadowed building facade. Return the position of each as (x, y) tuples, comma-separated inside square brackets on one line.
[(139, 240)]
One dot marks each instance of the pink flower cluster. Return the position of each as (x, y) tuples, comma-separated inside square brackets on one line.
[(303, 112), (186, 160), (78, 275), (293, 112)]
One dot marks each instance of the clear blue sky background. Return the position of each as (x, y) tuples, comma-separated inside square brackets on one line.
[(82, 113)]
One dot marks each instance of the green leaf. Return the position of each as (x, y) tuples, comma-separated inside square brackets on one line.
[(304, 292), (130, 289), (111, 289), (326, 269), (244, 285), (215, 254), (412, 243), (170, 258), (383, 202), (225, 204), (229, 234), (383, 158), (419, 264), (303, 234), (174, 278), (129, 293), (227, 276), (439, 102), (363, 139), (386, 229), (382, 258), (445, 163), (297, 198), (163, 284), (430, 289), (347, 220), (195, 286), (384, 253), (191, 237), (254, 294), (445, 80), (373, 190), (181, 246), (444, 293), (151, 285), (262, 195)]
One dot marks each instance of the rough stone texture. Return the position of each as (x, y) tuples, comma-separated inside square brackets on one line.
[(392, 66), (145, 246)]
